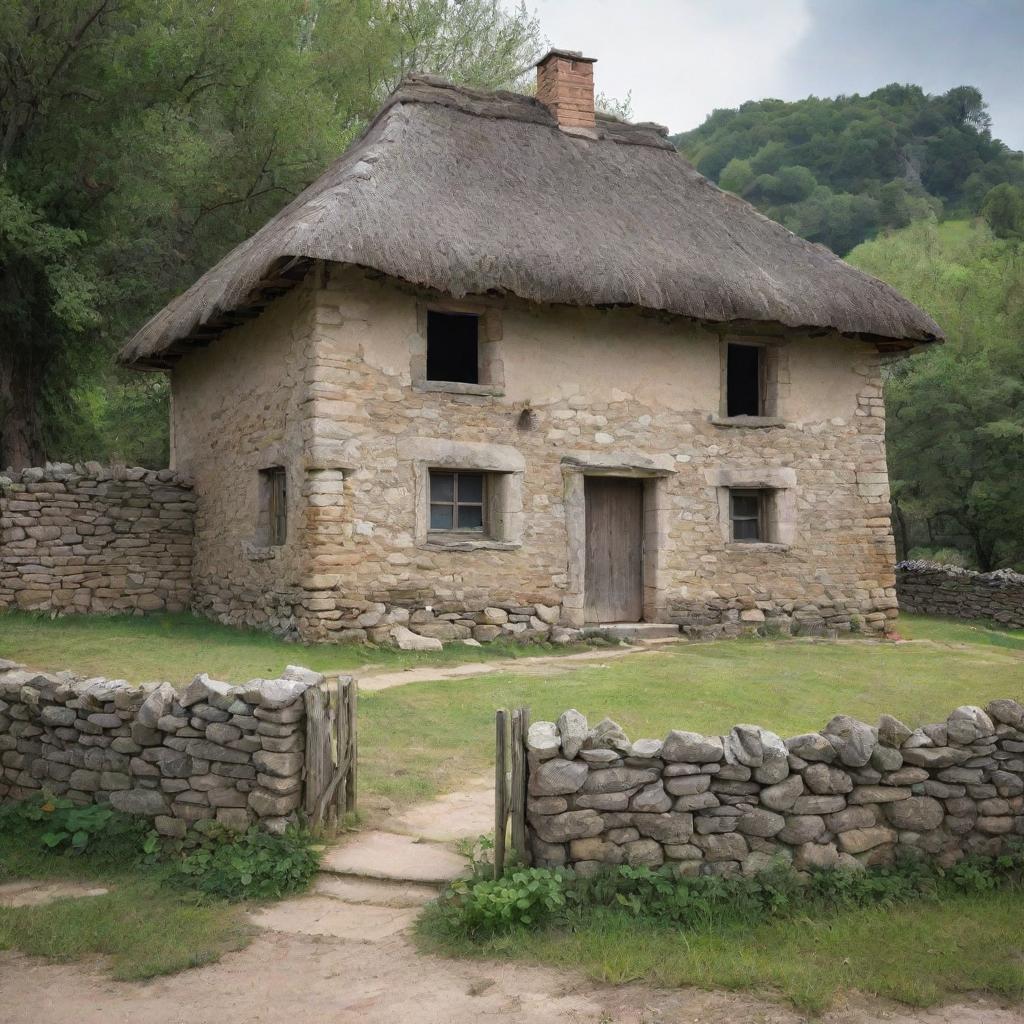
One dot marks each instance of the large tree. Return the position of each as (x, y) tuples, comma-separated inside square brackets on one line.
[(140, 139)]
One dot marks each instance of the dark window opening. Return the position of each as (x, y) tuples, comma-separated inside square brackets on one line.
[(273, 506), (748, 512), (452, 347), (458, 501), (743, 378)]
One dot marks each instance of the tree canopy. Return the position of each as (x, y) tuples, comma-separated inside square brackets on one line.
[(142, 139), (837, 171)]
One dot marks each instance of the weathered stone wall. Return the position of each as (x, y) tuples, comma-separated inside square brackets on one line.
[(932, 589), (89, 538), (210, 751), (571, 393), (849, 796)]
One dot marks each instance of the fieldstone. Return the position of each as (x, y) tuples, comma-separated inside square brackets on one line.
[(114, 780), (607, 734), (886, 759), (222, 732), (267, 804), (696, 802), (967, 723), (155, 706), (146, 802), (57, 716), (278, 784), (854, 741), (672, 827), (600, 757), (237, 819), (562, 828), (826, 780), (994, 826), (801, 828), (613, 780), (596, 848), (692, 748), (782, 795), (643, 853), (722, 847), (760, 822), (860, 840), (406, 640), (892, 732), (905, 777), (558, 776), (546, 804), (493, 617), (573, 730), (212, 691), (646, 748), (277, 764), (878, 794), (811, 746), (816, 857), (652, 798), (604, 801), (934, 757), (548, 614), (1009, 712), (543, 740), (916, 814), (811, 804), (686, 785), (82, 779), (918, 738), (744, 746)]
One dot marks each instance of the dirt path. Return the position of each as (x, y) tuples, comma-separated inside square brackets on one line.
[(343, 954)]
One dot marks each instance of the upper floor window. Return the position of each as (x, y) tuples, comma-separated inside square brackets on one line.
[(745, 380), (272, 526), (453, 347), (458, 501)]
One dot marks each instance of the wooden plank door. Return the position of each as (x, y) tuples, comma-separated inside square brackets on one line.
[(614, 583)]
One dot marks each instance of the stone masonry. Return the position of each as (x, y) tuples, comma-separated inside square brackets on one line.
[(932, 589), (88, 538), (849, 796), (211, 751)]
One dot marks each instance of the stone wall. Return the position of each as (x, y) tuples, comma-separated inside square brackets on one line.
[(849, 796), (89, 538), (210, 751), (932, 589)]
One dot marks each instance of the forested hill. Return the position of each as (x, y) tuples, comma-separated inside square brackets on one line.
[(838, 170)]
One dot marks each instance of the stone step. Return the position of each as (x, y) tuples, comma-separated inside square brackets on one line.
[(633, 630), (374, 891), (395, 858), (321, 915)]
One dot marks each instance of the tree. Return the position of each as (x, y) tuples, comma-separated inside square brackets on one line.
[(141, 139), (1003, 209), (955, 413)]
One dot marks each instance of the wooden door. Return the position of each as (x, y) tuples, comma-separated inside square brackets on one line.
[(614, 585)]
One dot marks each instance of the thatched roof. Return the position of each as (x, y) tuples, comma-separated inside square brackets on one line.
[(469, 192)]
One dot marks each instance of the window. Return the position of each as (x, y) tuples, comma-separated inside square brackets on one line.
[(272, 529), (453, 347), (458, 501), (748, 511), (744, 376)]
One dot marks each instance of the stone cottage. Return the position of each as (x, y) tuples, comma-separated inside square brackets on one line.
[(513, 366)]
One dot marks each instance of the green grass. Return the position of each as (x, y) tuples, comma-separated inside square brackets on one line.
[(177, 647), (145, 926), (919, 953), (422, 739)]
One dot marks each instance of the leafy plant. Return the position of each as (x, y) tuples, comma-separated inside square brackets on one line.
[(251, 865), (62, 826), (526, 896)]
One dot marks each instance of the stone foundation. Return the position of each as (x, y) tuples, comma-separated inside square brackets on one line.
[(850, 796), (932, 589), (89, 538), (211, 751)]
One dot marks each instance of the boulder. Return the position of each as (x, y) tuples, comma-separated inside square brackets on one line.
[(561, 828), (692, 748), (543, 740), (722, 846), (646, 748), (155, 706), (1009, 712), (573, 730), (967, 724), (934, 757), (607, 734), (406, 640), (860, 840), (666, 828), (760, 822), (811, 746), (801, 828), (854, 741), (558, 776), (644, 853), (916, 814), (782, 795), (823, 779), (892, 732), (652, 798)]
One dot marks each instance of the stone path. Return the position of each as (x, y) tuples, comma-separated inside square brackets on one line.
[(35, 894)]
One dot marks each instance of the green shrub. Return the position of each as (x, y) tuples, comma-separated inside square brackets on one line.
[(250, 865), (543, 896)]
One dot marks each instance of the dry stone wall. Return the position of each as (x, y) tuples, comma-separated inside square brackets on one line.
[(210, 751), (90, 538), (850, 796), (933, 589)]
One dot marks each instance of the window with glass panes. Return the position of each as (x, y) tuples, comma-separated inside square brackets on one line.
[(458, 501), (747, 511)]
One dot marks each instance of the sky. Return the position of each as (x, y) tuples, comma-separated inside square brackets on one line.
[(683, 58)]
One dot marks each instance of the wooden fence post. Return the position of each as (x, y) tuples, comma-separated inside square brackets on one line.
[(318, 749), (332, 751), (520, 727), (352, 704), (500, 804)]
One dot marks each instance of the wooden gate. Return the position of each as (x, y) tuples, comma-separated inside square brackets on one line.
[(332, 749), (511, 771)]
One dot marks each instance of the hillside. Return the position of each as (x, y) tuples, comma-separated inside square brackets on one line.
[(955, 413), (837, 171)]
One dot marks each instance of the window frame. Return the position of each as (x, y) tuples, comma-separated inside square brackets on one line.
[(478, 319), (762, 379), (763, 496), (484, 529)]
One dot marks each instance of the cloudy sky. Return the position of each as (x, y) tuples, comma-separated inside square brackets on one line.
[(683, 58)]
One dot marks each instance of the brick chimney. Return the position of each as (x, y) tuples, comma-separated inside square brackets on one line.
[(565, 85)]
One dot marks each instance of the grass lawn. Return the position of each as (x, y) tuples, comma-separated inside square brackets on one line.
[(143, 925), (920, 953), (177, 647)]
